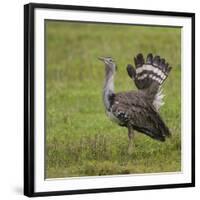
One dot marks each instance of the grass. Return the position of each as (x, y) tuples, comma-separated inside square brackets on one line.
[(80, 139)]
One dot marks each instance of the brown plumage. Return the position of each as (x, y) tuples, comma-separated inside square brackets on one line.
[(138, 110)]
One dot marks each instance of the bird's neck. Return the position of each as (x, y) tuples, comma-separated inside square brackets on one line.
[(108, 90)]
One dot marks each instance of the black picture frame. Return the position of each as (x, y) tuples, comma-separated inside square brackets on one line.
[(29, 95)]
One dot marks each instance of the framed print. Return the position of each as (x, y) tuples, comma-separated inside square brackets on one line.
[(108, 99)]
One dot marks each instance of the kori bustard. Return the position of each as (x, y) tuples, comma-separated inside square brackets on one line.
[(138, 110)]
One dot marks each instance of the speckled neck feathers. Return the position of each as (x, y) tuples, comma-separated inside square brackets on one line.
[(108, 90)]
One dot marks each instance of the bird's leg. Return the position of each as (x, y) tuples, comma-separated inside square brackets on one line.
[(131, 144)]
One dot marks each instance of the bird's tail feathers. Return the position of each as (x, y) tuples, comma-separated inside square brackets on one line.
[(152, 70)]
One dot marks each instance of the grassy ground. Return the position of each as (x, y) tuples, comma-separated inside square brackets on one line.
[(80, 139)]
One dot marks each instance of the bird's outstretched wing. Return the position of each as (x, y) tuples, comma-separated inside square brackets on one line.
[(132, 110), (149, 74)]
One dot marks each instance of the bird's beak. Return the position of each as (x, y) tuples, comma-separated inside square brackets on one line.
[(101, 58)]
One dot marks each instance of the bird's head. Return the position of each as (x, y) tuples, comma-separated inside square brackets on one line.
[(109, 63)]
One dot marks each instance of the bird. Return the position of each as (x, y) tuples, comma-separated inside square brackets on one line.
[(138, 110)]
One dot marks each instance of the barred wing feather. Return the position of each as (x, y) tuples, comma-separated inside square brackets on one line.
[(154, 70), (149, 76)]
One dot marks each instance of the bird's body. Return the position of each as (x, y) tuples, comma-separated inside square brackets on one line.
[(138, 110), (134, 109)]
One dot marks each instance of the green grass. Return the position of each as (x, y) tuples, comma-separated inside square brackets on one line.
[(80, 139)]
